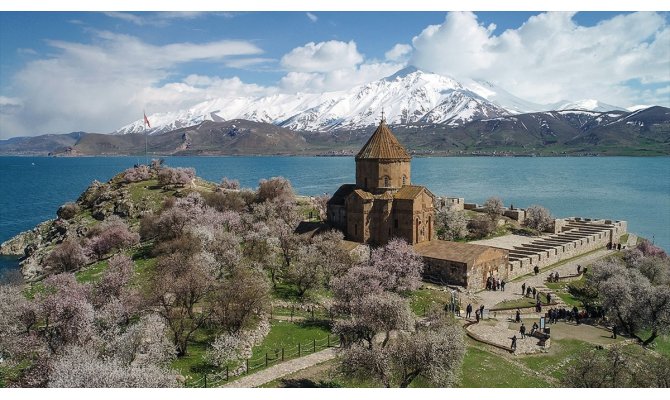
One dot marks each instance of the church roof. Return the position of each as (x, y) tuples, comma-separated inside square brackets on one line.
[(363, 194), (383, 145), (409, 192), (341, 193), (466, 253)]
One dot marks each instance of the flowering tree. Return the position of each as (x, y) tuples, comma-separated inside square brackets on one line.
[(433, 351), (399, 264), (277, 189), (81, 366), (112, 234), (137, 174), (494, 207), (66, 257), (451, 224), (176, 176), (241, 300), (538, 218), (177, 286), (230, 184)]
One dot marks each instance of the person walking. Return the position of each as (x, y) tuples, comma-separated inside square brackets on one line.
[(477, 315), (513, 345), (614, 331), (548, 298), (468, 311), (523, 289), (534, 293), (533, 328), (502, 285), (481, 311), (536, 270), (518, 315)]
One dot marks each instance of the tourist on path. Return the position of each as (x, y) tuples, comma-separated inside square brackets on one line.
[(536, 270), (513, 346), (522, 331), (502, 285), (534, 293), (518, 315), (533, 328), (548, 298), (523, 289), (481, 311), (579, 269), (468, 311), (528, 292), (614, 331), (477, 315)]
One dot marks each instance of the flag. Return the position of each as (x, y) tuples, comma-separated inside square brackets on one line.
[(146, 120)]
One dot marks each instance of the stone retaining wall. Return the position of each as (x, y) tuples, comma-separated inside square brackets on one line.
[(576, 237)]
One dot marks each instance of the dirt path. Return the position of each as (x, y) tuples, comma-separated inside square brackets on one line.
[(280, 370)]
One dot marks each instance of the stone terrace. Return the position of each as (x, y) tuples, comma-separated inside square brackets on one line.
[(576, 236)]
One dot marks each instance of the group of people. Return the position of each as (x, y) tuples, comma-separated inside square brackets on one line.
[(613, 246), (479, 313), (554, 277), (495, 284)]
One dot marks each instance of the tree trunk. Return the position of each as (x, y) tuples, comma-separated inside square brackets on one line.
[(654, 335)]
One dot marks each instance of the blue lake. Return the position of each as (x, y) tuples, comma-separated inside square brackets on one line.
[(631, 188)]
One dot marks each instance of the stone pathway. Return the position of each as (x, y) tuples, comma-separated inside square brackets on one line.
[(282, 369), (500, 328), (513, 289)]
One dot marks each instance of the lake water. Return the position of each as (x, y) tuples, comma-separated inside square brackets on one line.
[(629, 188)]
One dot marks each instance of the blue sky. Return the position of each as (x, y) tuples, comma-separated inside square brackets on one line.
[(65, 71)]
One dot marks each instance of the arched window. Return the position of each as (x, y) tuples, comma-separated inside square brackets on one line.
[(386, 181)]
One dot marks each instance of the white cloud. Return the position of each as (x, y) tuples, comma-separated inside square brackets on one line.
[(162, 18), (312, 17), (339, 79), (322, 57), (99, 87), (550, 57), (399, 52)]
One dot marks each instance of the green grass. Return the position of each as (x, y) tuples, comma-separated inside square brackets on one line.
[(92, 272), (561, 289), (482, 369), (287, 335), (282, 334), (520, 303), (554, 364), (662, 345), (421, 300)]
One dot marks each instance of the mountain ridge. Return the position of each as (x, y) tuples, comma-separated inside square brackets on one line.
[(408, 96)]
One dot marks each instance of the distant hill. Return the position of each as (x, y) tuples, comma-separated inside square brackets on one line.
[(565, 132)]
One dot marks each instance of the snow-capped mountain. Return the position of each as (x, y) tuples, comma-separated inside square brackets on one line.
[(587, 105), (408, 96)]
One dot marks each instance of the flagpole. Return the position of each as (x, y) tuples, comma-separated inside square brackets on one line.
[(146, 140)]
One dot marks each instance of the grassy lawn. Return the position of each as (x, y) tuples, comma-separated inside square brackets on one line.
[(520, 303), (560, 354), (282, 334), (91, 273), (421, 300), (561, 289), (287, 335), (482, 369)]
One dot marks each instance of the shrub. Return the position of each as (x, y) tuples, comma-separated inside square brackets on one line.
[(66, 257), (176, 176), (67, 211), (277, 188), (137, 174), (113, 234), (229, 184), (538, 218)]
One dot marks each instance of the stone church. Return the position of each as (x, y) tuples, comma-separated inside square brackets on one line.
[(383, 204)]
